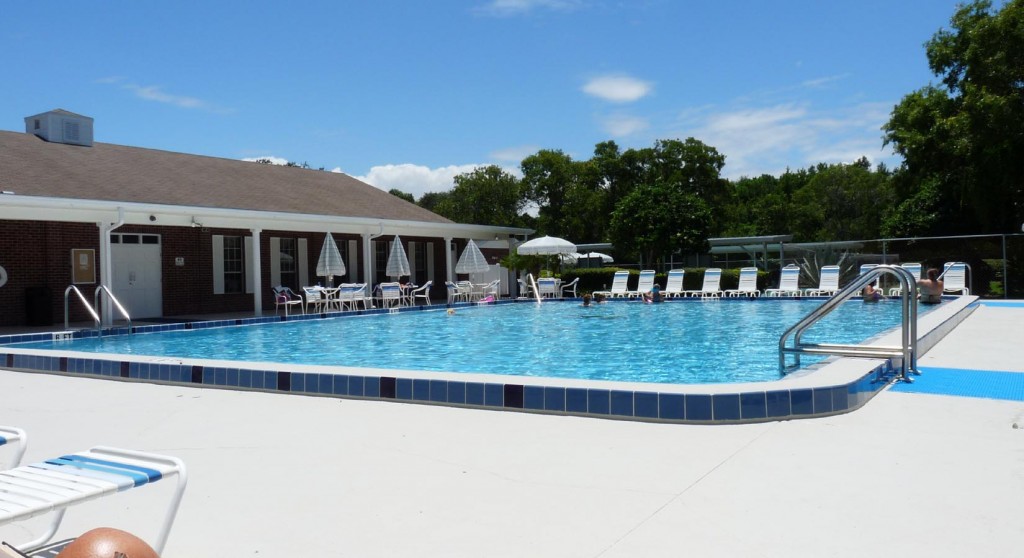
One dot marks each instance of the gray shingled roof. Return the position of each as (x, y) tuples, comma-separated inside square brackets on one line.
[(31, 166)]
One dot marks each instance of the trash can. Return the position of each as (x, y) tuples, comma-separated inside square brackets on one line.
[(38, 306)]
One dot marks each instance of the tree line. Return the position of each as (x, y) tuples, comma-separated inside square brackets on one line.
[(961, 140)]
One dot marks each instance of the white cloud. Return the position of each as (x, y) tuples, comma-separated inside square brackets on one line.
[(415, 179), (618, 88), (504, 8), (157, 94), (514, 154), (770, 139), (622, 125)]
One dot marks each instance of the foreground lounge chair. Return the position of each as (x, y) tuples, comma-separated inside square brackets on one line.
[(619, 285), (789, 283), (17, 440), (747, 285), (52, 486), (674, 284), (828, 282), (712, 287), (644, 285), (914, 269)]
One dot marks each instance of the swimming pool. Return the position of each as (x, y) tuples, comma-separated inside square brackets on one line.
[(685, 342)]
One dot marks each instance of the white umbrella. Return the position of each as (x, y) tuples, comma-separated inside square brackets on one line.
[(398, 262), (330, 262), (546, 246), (605, 258), (472, 260)]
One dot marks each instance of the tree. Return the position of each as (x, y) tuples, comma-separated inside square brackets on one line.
[(660, 219), (400, 194), (841, 202), (486, 195), (962, 140)]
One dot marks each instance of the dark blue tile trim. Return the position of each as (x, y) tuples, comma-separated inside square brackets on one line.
[(725, 406)]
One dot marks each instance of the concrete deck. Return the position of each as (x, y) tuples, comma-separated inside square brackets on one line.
[(284, 475)]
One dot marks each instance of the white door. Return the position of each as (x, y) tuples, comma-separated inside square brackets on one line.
[(135, 259)]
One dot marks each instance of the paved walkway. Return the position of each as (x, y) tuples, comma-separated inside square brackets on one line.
[(910, 474)]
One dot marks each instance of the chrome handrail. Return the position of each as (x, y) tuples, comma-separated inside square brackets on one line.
[(96, 303), (907, 351), (533, 283), (92, 311)]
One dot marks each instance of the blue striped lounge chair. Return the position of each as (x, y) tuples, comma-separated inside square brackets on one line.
[(747, 285), (914, 269), (644, 284), (828, 282), (674, 283), (619, 285), (712, 287), (52, 486), (954, 278), (17, 441), (789, 283)]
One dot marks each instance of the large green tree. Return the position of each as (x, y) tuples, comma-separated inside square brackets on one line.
[(659, 219), (486, 195), (962, 140)]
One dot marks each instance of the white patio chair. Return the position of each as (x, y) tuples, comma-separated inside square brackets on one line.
[(314, 298), (954, 278), (547, 287), (570, 286), (285, 297), (423, 292), (390, 295), (747, 284)]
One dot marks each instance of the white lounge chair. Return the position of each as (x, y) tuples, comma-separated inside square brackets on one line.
[(644, 284), (828, 282), (914, 269), (789, 283), (712, 287), (54, 485), (620, 282), (674, 283), (17, 439), (747, 285), (954, 278), (390, 295)]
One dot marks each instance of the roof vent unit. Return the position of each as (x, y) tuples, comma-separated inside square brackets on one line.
[(61, 126)]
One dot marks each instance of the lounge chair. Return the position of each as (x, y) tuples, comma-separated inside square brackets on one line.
[(954, 278), (914, 269), (17, 439), (789, 283), (570, 286), (644, 284), (390, 295), (747, 285), (54, 485), (547, 287), (423, 292), (712, 287), (620, 282), (284, 296), (674, 283), (828, 282)]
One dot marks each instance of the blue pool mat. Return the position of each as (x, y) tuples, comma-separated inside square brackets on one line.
[(962, 382)]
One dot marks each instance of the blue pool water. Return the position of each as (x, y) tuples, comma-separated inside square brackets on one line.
[(680, 342)]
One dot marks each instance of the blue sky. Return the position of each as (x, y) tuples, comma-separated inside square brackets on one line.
[(407, 93)]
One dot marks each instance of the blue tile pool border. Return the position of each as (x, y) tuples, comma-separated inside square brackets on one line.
[(747, 404)]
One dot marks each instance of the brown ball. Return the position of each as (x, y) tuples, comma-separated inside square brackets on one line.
[(105, 542)]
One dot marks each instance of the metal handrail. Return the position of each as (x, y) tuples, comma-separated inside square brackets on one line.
[(92, 311), (96, 303), (907, 350)]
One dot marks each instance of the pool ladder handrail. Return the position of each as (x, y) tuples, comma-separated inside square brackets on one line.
[(533, 283), (96, 303), (907, 351), (85, 302)]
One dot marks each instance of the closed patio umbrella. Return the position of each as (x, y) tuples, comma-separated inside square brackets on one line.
[(398, 262), (472, 260), (330, 262)]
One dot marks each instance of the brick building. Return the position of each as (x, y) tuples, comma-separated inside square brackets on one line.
[(176, 234)]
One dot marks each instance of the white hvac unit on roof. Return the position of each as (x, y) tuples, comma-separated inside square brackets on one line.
[(61, 126)]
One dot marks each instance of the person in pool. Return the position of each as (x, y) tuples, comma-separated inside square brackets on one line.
[(586, 299), (930, 289), (871, 292), (654, 296)]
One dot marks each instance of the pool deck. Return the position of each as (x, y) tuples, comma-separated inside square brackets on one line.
[(909, 474)]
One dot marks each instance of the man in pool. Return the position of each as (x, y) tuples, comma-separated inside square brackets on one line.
[(586, 299), (654, 296), (930, 289)]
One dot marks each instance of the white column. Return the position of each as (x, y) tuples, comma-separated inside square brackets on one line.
[(257, 276), (448, 258), (368, 259)]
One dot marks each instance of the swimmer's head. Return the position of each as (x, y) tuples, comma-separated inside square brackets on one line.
[(451, 311)]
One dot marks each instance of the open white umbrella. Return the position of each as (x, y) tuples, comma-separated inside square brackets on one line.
[(605, 258), (546, 246), (330, 262), (398, 262), (472, 260)]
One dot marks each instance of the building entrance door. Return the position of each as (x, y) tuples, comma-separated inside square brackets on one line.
[(137, 274)]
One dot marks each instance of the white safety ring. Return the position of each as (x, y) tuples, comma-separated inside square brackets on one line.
[(3, 276)]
